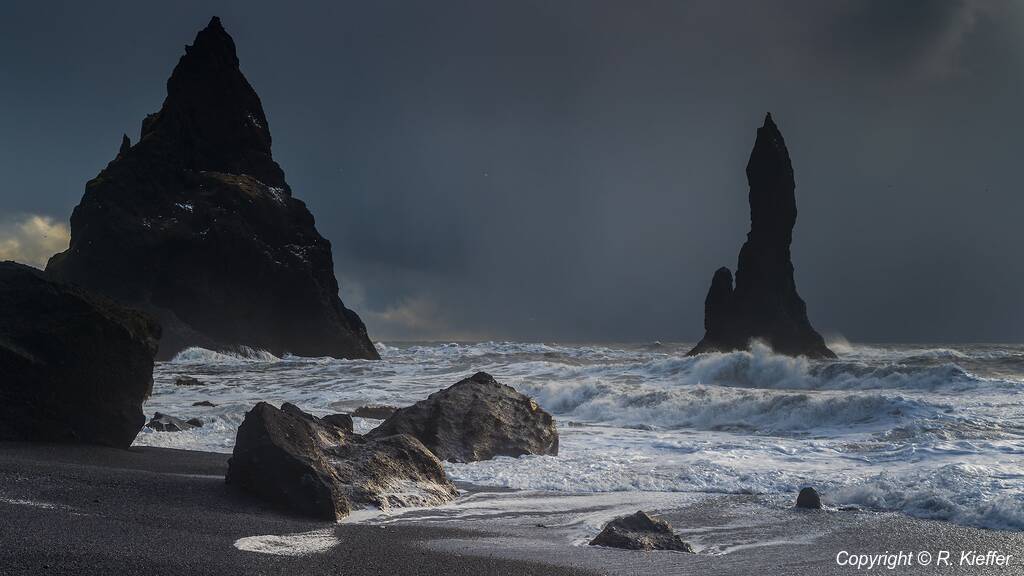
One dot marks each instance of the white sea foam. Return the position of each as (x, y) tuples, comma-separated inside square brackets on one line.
[(984, 496), (931, 431), (300, 544)]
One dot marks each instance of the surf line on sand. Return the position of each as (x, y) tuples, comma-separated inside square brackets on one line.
[(299, 544)]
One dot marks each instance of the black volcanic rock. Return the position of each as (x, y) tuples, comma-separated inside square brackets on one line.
[(809, 498), (377, 412), (304, 465), (196, 224), (640, 531), (343, 421), (167, 423), (764, 304), (474, 419), (74, 367), (126, 144)]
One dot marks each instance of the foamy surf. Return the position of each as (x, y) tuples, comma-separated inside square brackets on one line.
[(933, 432)]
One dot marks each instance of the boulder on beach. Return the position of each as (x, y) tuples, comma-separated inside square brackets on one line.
[(477, 418), (764, 304), (74, 367), (377, 412), (809, 499), (640, 531), (167, 423), (196, 224), (303, 465)]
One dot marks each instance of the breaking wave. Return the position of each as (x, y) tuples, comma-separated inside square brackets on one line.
[(961, 493), (717, 408), (244, 354)]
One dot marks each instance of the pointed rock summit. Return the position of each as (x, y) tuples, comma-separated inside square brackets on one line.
[(763, 304), (196, 224)]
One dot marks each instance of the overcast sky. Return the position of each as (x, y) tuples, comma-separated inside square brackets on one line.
[(575, 170)]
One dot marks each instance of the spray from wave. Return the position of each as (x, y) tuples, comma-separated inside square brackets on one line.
[(243, 354)]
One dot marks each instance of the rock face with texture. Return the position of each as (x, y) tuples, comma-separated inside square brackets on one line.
[(303, 465), (196, 224), (640, 531), (476, 419), (764, 304), (74, 367)]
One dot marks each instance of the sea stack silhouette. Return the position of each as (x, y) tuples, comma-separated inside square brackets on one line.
[(764, 304), (196, 225)]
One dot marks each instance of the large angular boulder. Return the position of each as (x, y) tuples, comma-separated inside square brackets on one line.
[(196, 224), (764, 304), (640, 531), (74, 367), (477, 418), (308, 467)]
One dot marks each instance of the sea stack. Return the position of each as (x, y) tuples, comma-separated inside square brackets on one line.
[(196, 225), (764, 304)]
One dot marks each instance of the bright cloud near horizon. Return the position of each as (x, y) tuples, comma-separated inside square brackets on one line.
[(33, 239)]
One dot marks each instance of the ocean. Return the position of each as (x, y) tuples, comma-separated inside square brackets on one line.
[(929, 431)]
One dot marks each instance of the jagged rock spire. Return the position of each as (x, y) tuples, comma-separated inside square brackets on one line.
[(764, 303), (212, 118), (772, 187), (126, 144), (196, 224)]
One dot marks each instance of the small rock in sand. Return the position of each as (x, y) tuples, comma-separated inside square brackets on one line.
[(640, 531), (809, 499)]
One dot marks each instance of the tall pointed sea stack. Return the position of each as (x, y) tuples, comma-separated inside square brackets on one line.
[(196, 224), (764, 304)]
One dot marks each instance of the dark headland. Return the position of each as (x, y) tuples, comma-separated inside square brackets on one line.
[(763, 304), (196, 225)]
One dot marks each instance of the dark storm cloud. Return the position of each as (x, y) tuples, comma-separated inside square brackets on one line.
[(574, 170)]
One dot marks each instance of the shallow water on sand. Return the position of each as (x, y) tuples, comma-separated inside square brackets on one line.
[(930, 431)]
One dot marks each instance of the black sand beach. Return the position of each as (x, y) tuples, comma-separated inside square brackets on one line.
[(88, 510)]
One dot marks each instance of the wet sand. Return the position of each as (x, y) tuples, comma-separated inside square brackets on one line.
[(88, 510)]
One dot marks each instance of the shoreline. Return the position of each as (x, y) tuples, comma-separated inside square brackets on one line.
[(75, 510), (90, 510)]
